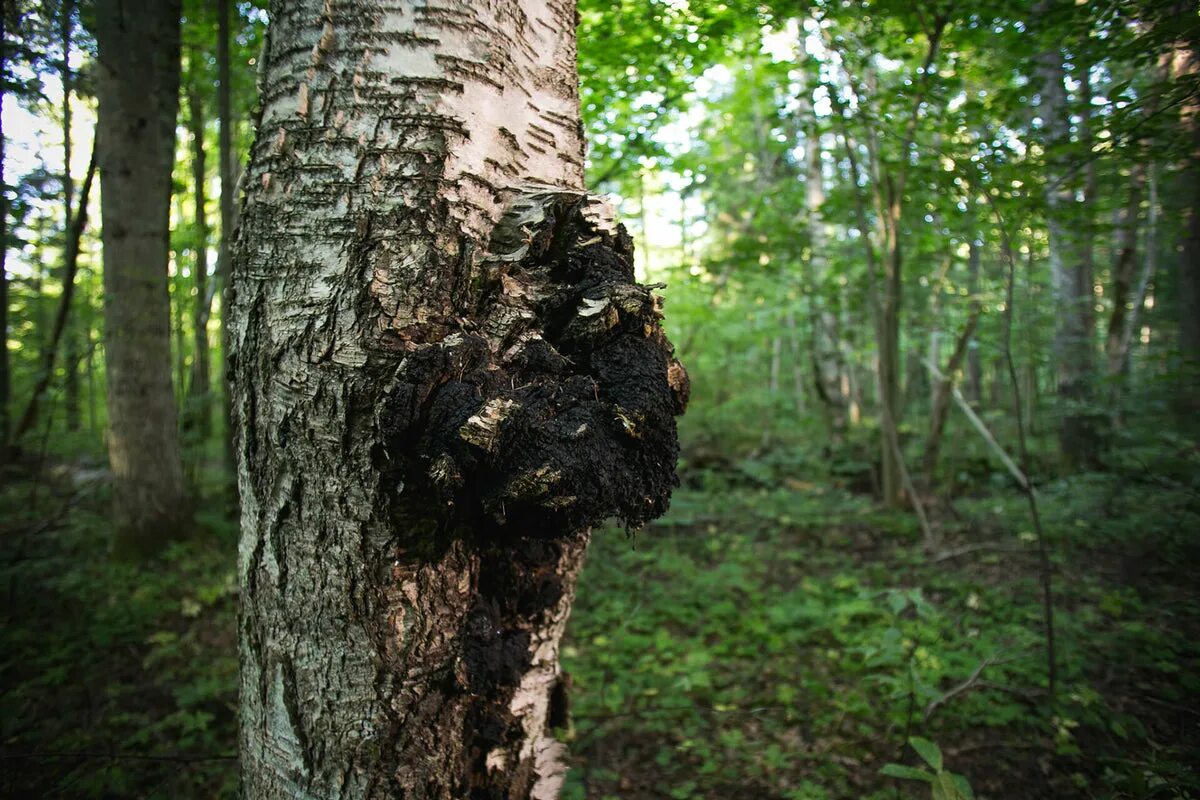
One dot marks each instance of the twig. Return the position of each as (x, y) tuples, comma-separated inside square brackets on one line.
[(963, 687), (947, 555), (1030, 494)]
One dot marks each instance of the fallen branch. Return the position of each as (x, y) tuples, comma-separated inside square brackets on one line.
[(978, 424)]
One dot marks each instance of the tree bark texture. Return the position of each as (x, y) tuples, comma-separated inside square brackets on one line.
[(444, 373), (138, 90)]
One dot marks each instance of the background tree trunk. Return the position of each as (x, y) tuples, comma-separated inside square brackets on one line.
[(225, 158), (1185, 64), (66, 21), (5, 384), (1070, 263), (199, 406), (974, 363), (443, 375), (138, 90)]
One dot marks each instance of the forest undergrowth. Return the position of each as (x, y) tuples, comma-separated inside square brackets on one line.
[(770, 637)]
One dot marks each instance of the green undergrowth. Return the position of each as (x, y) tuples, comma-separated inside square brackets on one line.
[(792, 642), (118, 680), (771, 637)]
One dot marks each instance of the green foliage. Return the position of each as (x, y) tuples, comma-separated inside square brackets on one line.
[(126, 684), (781, 642)]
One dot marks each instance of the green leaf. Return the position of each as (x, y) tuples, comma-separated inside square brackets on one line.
[(906, 773), (964, 788), (944, 788), (927, 750)]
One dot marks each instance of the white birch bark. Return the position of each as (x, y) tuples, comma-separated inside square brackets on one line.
[(414, 199)]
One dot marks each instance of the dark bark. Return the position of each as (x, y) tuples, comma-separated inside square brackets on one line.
[(228, 215), (138, 90), (1185, 65), (199, 406), (1116, 342), (71, 361)]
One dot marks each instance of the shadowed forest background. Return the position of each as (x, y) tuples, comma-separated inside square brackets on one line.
[(934, 270)]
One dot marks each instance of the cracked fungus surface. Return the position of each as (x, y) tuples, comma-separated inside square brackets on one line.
[(556, 410)]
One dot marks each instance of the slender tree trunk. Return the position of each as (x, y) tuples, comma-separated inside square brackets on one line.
[(1123, 290), (944, 390), (225, 158), (5, 425), (66, 22), (138, 90), (826, 355), (1186, 63), (1149, 268), (199, 407), (974, 363), (443, 375), (1070, 265), (62, 317)]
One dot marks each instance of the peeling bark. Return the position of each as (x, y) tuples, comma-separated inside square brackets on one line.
[(444, 372)]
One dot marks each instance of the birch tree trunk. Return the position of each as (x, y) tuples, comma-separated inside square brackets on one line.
[(444, 373), (138, 89)]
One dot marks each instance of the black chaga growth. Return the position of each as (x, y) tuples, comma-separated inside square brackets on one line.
[(556, 408)]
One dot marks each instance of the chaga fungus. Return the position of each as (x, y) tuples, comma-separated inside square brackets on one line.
[(555, 409)]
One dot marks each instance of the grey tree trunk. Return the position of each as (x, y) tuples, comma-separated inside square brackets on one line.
[(138, 89), (1070, 265), (443, 375)]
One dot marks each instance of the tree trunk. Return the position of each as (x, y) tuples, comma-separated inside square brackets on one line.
[(71, 361), (443, 374), (199, 407), (1116, 343), (225, 168), (62, 316), (138, 90), (1185, 64), (5, 390), (974, 363), (1070, 265), (944, 390)]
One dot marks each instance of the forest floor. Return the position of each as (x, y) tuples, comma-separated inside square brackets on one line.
[(769, 638)]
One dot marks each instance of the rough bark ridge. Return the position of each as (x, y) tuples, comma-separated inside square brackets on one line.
[(444, 373)]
